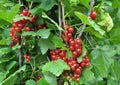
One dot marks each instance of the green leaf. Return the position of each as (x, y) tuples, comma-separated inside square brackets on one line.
[(46, 17), (84, 52), (9, 15), (18, 18), (6, 59), (42, 81), (102, 60), (44, 33), (30, 82), (12, 77), (116, 3), (96, 27), (115, 67), (85, 3), (83, 17), (4, 41), (11, 65), (107, 22), (2, 76), (118, 49), (111, 81), (50, 78), (69, 54), (47, 4), (87, 75), (115, 35), (11, 81), (87, 21), (16, 47), (58, 42), (55, 67), (94, 32), (45, 44), (4, 51), (29, 33)]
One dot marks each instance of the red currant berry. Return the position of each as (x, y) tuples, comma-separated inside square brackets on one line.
[(78, 41), (70, 30), (93, 15)]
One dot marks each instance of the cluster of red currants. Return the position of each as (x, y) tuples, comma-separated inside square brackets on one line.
[(75, 46), (20, 26), (27, 57)]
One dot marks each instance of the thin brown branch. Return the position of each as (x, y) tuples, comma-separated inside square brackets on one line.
[(30, 6), (63, 14), (84, 25), (20, 2), (59, 15), (20, 62)]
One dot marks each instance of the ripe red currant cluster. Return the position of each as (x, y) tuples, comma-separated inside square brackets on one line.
[(27, 57), (21, 26), (75, 46)]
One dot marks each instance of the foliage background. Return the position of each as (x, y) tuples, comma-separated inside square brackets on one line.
[(101, 38)]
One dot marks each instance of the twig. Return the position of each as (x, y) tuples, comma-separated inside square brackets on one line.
[(59, 17), (63, 14), (59, 14), (84, 25), (89, 41), (20, 2), (20, 63), (30, 6)]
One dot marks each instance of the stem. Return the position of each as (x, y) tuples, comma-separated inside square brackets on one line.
[(20, 63), (30, 6), (63, 13), (20, 2), (84, 25), (59, 14), (89, 41)]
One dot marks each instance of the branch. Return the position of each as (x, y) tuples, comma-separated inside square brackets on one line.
[(59, 14), (84, 25), (63, 14), (30, 6), (20, 62), (20, 2)]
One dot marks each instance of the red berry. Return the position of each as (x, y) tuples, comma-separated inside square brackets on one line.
[(78, 50), (76, 76), (34, 17), (74, 53), (93, 15), (86, 60), (72, 42), (87, 64), (77, 71), (20, 25), (17, 29), (69, 35), (27, 29), (70, 30), (25, 12), (53, 57), (78, 41), (82, 64), (71, 47)]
